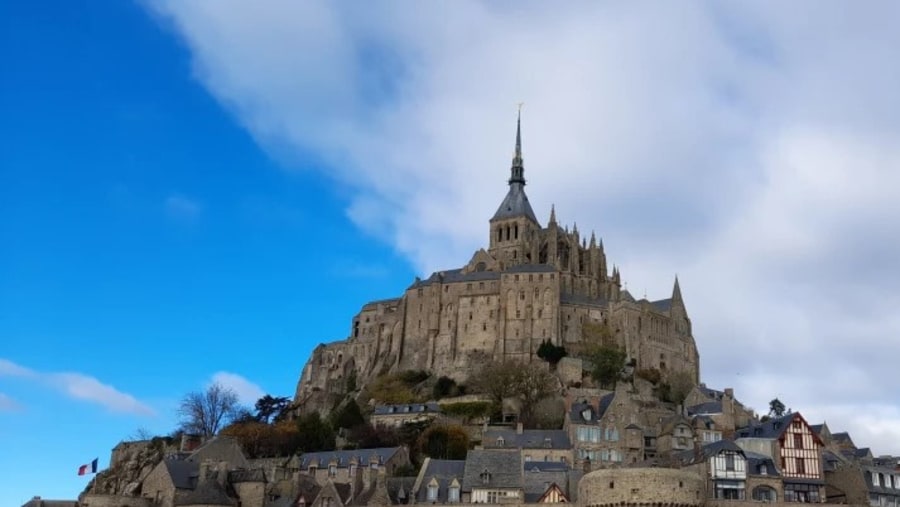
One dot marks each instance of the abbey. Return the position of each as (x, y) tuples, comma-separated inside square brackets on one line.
[(532, 283)]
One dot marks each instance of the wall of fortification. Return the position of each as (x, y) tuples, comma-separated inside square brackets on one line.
[(113, 501), (641, 486)]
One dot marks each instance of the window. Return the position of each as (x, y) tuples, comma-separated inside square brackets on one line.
[(500, 442), (729, 462), (332, 470), (798, 441), (432, 492), (801, 493), (612, 434), (352, 470), (875, 481), (729, 490), (801, 466), (764, 494), (453, 495)]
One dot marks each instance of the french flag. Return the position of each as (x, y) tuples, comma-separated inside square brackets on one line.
[(88, 469)]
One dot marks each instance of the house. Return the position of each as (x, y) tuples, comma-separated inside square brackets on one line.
[(791, 442), (493, 476), (725, 465), (706, 429), (550, 482), (763, 478), (439, 481), (676, 434), (535, 445), (398, 415), (605, 434), (343, 466)]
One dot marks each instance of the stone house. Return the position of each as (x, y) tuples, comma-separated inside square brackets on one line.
[(550, 482), (676, 434), (606, 434), (493, 476), (398, 415), (796, 449), (723, 467), (439, 481), (343, 467), (535, 445)]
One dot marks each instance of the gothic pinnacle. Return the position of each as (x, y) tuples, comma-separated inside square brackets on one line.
[(517, 171), (552, 214), (593, 240)]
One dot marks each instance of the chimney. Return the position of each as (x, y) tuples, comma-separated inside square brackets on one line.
[(729, 393), (519, 428), (222, 473), (204, 471)]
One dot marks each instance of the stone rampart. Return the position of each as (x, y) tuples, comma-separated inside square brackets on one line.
[(628, 487), (90, 500)]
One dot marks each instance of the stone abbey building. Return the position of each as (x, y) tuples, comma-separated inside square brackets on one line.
[(532, 283)]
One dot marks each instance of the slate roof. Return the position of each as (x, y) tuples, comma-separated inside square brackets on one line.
[(515, 204), (710, 393), (456, 275), (771, 429), (755, 460), (830, 460), (529, 439), (443, 471), (343, 457), (710, 407), (183, 473), (707, 451), (663, 305), (504, 468), (537, 482), (597, 413), (545, 466), (409, 408), (207, 493), (842, 437)]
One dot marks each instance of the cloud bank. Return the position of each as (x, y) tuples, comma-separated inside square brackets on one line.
[(749, 147), (247, 392), (77, 386)]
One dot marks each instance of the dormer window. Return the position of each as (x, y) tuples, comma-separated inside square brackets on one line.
[(485, 476), (332, 470), (433, 490), (548, 443), (453, 494), (586, 414), (763, 469), (500, 442)]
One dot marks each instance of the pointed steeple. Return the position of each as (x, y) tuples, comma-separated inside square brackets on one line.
[(552, 214), (575, 228), (676, 291), (593, 240), (517, 171)]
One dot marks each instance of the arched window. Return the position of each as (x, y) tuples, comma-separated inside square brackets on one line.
[(507, 233), (765, 494), (516, 231)]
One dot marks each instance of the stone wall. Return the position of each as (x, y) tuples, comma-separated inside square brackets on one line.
[(641, 486), (91, 500)]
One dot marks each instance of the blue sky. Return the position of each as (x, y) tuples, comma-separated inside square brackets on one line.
[(196, 189), (147, 243)]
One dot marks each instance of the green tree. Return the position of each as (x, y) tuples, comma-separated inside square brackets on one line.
[(776, 408), (607, 363), (680, 385), (206, 412), (269, 407), (550, 352), (535, 384), (347, 416), (441, 441), (315, 434)]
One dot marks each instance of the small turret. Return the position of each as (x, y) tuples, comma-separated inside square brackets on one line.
[(552, 215)]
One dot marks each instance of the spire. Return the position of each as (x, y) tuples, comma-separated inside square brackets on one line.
[(676, 291), (593, 240), (575, 228), (517, 171), (552, 214)]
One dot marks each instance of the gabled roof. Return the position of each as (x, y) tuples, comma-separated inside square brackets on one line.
[(707, 451), (182, 473), (208, 492), (755, 460), (537, 482), (710, 407), (576, 411), (550, 490), (443, 472), (528, 439), (493, 468), (343, 458), (663, 305), (774, 428)]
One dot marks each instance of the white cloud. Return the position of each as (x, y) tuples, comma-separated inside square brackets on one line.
[(81, 387), (749, 147), (8, 404), (180, 207), (248, 392)]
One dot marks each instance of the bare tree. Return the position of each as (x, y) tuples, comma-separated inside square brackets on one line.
[(205, 413)]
